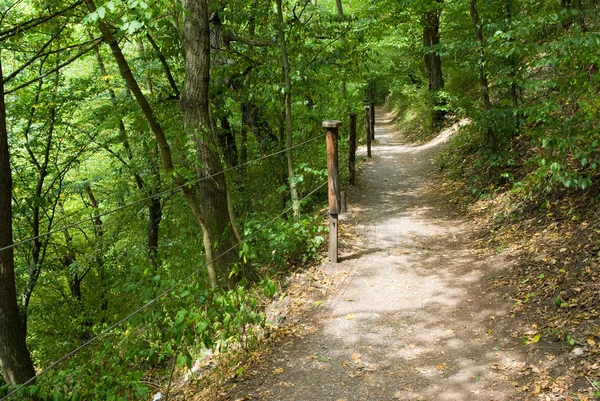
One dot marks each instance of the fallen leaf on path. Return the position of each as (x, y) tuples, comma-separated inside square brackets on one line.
[(441, 367), (278, 371), (349, 317)]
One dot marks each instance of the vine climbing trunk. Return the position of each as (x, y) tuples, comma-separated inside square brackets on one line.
[(285, 68), (15, 359)]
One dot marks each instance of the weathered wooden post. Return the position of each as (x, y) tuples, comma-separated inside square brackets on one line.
[(352, 150), (372, 109), (368, 130), (334, 186)]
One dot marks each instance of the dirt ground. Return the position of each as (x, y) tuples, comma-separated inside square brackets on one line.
[(410, 313)]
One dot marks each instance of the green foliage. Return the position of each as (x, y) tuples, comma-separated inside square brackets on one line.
[(102, 157), (286, 241)]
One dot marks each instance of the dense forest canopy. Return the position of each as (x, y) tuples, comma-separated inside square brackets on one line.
[(161, 163)]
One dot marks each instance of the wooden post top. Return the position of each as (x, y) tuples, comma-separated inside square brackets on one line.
[(332, 124), (353, 114)]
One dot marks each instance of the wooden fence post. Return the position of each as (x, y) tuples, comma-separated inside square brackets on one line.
[(352, 149), (334, 186), (372, 121), (368, 130)]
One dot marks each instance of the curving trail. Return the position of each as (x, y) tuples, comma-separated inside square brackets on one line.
[(415, 317)]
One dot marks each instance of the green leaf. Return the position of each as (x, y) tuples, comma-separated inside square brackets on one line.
[(110, 5), (101, 12)]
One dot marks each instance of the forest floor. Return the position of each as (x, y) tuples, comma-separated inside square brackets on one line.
[(412, 312)]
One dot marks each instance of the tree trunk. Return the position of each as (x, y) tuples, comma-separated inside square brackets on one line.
[(483, 81), (154, 208), (340, 13), (431, 37), (219, 235), (15, 359), (288, 110), (433, 63), (340, 10)]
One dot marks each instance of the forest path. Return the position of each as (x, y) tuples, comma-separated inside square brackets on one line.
[(415, 317)]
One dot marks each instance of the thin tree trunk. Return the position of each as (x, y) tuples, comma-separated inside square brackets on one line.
[(165, 65), (288, 111), (514, 71), (142, 51), (155, 205), (15, 359), (340, 13), (75, 278), (38, 247), (99, 248), (483, 81), (154, 219)]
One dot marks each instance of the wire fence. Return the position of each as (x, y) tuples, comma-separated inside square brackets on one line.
[(161, 193)]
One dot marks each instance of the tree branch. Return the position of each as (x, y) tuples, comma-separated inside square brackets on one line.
[(234, 38), (328, 44), (165, 65), (69, 61), (32, 23), (39, 54)]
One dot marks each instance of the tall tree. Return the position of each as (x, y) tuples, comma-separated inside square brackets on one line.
[(15, 359), (285, 71)]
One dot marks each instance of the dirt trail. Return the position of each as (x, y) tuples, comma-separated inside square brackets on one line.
[(415, 317)]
